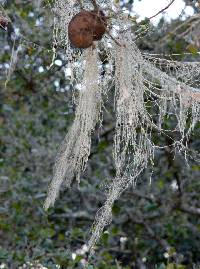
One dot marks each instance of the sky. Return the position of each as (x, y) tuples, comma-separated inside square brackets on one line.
[(148, 8)]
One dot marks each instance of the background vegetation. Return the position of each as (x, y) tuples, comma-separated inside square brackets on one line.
[(155, 226)]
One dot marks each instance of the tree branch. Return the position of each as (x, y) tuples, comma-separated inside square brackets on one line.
[(162, 10), (190, 209)]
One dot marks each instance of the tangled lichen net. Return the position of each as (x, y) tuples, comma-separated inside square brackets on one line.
[(172, 86)]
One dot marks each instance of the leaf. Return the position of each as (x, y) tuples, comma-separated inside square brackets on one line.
[(116, 209), (105, 238), (161, 266), (47, 232), (192, 49), (90, 267), (171, 251), (115, 230), (175, 266)]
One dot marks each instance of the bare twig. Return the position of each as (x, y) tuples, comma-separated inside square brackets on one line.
[(96, 7), (162, 10), (105, 24), (190, 209), (143, 196)]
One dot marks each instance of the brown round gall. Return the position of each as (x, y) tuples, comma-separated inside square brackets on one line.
[(86, 27)]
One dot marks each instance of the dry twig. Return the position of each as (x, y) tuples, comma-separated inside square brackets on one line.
[(162, 10)]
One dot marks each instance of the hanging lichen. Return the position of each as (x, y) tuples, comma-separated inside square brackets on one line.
[(75, 149), (173, 87)]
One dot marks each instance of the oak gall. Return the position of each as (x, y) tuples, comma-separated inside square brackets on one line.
[(86, 27)]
